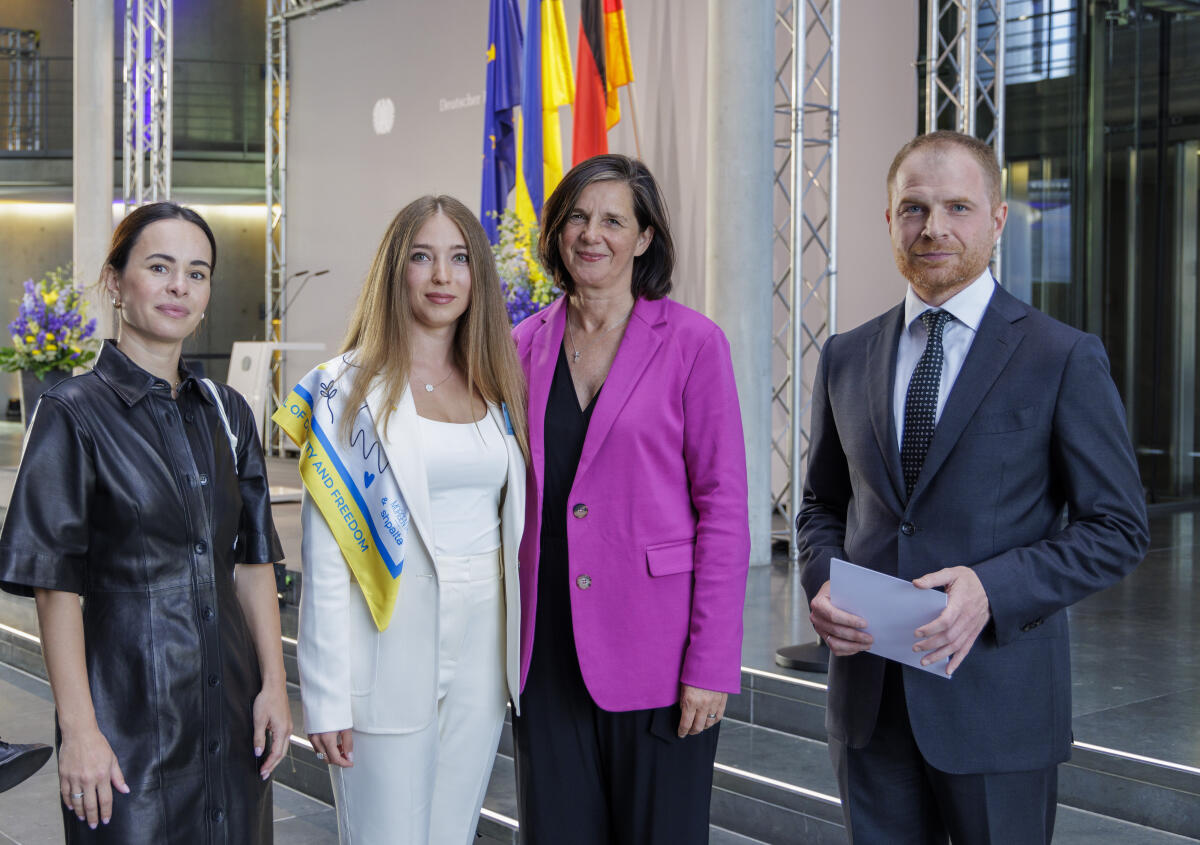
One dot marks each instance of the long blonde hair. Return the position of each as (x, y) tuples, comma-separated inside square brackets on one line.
[(379, 333)]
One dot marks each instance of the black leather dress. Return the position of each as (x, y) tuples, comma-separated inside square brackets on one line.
[(131, 499)]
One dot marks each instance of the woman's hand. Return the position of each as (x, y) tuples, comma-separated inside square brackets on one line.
[(87, 771), (701, 709), (272, 713), (335, 746), (255, 585)]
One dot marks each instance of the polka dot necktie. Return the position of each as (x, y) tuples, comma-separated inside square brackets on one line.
[(920, 404)]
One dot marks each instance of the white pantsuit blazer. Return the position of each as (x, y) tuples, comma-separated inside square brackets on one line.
[(351, 673)]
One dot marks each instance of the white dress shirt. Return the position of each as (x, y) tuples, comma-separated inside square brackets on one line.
[(966, 307)]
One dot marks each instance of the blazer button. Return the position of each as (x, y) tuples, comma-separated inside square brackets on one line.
[(579, 511), (908, 529), (583, 582)]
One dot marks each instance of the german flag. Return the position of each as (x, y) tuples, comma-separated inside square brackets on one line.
[(602, 66), (618, 62)]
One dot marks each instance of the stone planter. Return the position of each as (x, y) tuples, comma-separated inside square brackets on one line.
[(32, 389)]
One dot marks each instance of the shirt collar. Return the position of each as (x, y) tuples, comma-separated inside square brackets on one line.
[(131, 382), (966, 306)]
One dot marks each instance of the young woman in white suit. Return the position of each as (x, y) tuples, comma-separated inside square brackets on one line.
[(409, 716)]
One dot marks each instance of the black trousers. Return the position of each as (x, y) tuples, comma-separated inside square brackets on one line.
[(891, 796), (594, 777)]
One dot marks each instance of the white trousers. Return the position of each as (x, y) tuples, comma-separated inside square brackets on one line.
[(426, 787)]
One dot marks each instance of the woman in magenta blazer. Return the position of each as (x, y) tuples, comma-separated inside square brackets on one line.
[(633, 562)]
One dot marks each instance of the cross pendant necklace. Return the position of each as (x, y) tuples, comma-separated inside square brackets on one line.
[(575, 350)]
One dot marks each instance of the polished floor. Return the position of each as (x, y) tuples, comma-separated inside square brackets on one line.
[(1135, 649)]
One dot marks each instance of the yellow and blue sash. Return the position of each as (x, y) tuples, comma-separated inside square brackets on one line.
[(350, 483)]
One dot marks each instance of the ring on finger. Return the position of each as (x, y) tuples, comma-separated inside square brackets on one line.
[(712, 715), (320, 755), (76, 795)]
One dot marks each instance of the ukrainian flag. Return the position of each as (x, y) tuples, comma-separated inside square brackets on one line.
[(503, 94), (548, 83)]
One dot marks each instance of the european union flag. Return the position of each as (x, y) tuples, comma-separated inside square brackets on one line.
[(503, 94)]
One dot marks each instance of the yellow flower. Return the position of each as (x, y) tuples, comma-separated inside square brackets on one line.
[(30, 338), (49, 335), (50, 347), (50, 297)]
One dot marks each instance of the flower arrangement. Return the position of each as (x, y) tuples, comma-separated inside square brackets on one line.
[(49, 332), (523, 280)]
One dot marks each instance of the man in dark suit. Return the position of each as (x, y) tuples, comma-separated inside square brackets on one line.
[(966, 442)]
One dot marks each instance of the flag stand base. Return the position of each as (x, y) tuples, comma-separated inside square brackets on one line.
[(807, 657)]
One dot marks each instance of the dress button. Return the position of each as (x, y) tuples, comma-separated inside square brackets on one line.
[(213, 680), (214, 747), (218, 815), (579, 511), (203, 479), (908, 529), (583, 581), (208, 613), (201, 548), (190, 417)]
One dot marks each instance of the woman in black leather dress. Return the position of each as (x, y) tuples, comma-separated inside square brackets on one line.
[(134, 494)]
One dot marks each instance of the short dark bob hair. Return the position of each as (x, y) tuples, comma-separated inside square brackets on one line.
[(131, 227), (653, 268)]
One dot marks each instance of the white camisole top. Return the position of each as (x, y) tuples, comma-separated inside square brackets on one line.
[(466, 465)]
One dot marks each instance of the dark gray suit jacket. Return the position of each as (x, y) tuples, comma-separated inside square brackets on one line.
[(1033, 424)]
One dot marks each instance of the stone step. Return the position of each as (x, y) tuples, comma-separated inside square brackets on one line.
[(773, 782)]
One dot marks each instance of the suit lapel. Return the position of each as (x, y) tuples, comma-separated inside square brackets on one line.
[(881, 375), (637, 347), (995, 342), (402, 445)]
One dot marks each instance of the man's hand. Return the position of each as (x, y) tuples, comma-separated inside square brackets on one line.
[(840, 630), (954, 631)]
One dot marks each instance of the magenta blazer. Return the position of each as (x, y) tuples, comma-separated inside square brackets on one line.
[(657, 526)]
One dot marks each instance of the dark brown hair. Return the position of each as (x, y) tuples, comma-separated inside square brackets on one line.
[(984, 156), (131, 227), (380, 330), (653, 268)]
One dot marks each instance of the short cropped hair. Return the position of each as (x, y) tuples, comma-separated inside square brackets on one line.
[(653, 268), (984, 156)]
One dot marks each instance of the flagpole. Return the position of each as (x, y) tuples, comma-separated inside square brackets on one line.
[(637, 138)]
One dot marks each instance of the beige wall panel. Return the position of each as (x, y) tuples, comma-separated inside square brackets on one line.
[(878, 115)]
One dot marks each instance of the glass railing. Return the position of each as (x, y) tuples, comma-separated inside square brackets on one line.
[(217, 108)]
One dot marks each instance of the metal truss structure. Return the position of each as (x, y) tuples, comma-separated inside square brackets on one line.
[(279, 12), (964, 68), (19, 48), (146, 101), (964, 72), (805, 286)]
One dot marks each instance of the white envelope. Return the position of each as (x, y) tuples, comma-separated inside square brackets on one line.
[(893, 608)]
